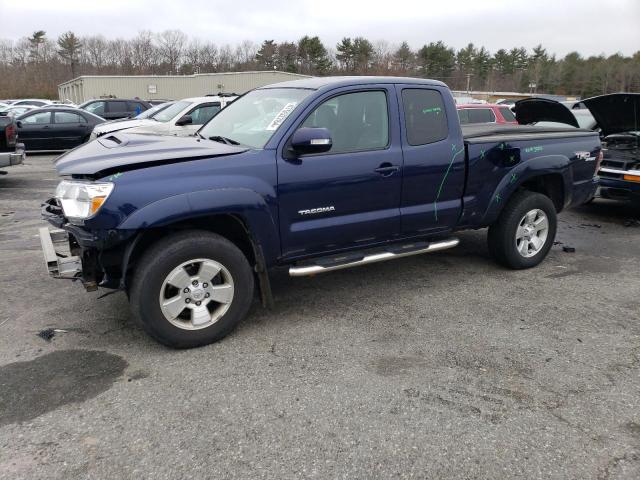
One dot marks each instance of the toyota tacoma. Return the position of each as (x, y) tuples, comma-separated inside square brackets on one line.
[(312, 175)]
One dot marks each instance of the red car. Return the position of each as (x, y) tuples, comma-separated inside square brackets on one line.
[(485, 113)]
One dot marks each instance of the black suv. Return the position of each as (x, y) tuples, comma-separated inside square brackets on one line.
[(114, 108)]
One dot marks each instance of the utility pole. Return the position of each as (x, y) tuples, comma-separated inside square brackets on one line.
[(468, 82)]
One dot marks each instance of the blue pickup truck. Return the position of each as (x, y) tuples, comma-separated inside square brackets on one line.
[(312, 175)]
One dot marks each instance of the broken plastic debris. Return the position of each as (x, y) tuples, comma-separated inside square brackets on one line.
[(568, 249)]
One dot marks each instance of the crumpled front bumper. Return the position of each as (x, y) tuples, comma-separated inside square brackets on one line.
[(58, 259)]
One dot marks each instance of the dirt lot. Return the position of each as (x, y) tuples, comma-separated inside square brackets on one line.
[(437, 366)]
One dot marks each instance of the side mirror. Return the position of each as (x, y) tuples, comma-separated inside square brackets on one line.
[(19, 124), (308, 140), (184, 120)]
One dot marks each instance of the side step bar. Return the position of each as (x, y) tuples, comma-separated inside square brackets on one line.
[(328, 265)]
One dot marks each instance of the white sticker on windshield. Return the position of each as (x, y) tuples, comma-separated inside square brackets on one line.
[(282, 114)]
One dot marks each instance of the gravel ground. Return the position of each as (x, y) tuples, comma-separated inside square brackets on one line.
[(436, 366)]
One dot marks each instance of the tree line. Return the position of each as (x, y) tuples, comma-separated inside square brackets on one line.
[(33, 66)]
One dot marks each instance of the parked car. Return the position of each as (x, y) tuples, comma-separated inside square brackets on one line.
[(312, 175), (16, 111), (11, 152), (485, 113), (36, 102), (114, 108), (184, 117), (124, 123), (55, 128)]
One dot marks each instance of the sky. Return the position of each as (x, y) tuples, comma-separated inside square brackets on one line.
[(590, 27)]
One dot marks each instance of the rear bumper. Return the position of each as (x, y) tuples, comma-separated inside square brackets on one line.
[(9, 159)]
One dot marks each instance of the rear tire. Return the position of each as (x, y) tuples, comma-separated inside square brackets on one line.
[(191, 289), (524, 232)]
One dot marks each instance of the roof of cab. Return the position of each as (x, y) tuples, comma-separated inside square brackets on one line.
[(316, 83)]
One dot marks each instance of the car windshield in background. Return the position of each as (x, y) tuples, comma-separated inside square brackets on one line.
[(171, 111), (253, 119), (153, 111)]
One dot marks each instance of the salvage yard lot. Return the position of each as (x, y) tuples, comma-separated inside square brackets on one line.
[(433, 366)]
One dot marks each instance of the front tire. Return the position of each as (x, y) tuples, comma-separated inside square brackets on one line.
[(524, 232), (191, 289)]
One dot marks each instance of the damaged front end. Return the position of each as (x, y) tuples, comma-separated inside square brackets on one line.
[(72, 252), (620, 170)]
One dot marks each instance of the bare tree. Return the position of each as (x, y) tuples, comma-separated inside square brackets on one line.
[(171, 43), (144, 54), (95, 49)]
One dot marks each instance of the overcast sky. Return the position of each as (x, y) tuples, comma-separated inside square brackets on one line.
[(588, 26)]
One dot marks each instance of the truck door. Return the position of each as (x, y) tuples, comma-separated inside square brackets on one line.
[(349, 196), (434, 160)]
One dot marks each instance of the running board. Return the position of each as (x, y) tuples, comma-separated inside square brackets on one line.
[(348, 260)]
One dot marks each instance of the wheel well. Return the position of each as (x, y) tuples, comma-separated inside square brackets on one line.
[(228, 226), (550, 185)]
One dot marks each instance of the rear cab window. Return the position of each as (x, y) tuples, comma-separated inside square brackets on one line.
[(424, 116)]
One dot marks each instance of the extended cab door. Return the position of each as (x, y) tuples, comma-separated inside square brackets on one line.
[(349, 196), (434, 160)]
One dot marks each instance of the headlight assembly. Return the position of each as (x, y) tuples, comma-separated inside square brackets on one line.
[(81, 200)]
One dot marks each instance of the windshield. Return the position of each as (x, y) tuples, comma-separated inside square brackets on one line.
[(171, 111), (153, 110), (253, 119)]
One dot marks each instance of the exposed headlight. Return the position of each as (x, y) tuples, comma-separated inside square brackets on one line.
[(81, 200)]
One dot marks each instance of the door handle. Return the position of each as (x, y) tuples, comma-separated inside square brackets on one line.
[(386, 169)]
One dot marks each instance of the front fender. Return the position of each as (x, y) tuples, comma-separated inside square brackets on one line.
[(523, 172), (242, 202)]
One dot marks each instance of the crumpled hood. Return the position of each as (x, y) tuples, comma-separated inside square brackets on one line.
[(534, 110), (123, 151), (616, 112)]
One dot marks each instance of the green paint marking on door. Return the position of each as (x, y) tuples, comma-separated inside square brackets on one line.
[(435, 203)]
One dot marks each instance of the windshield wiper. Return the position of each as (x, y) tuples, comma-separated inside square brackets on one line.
[(225, 140)]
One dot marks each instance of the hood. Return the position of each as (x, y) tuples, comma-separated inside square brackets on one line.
[(123, 151), (534, 110), (152, 127), (616, 112), (116, 125)]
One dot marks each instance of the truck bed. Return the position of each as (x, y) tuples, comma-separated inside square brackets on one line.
[(481, 133)]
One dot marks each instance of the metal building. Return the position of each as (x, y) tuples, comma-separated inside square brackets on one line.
[(172, 87)]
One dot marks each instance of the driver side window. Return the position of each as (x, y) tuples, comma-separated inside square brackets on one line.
[(356, 121)]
